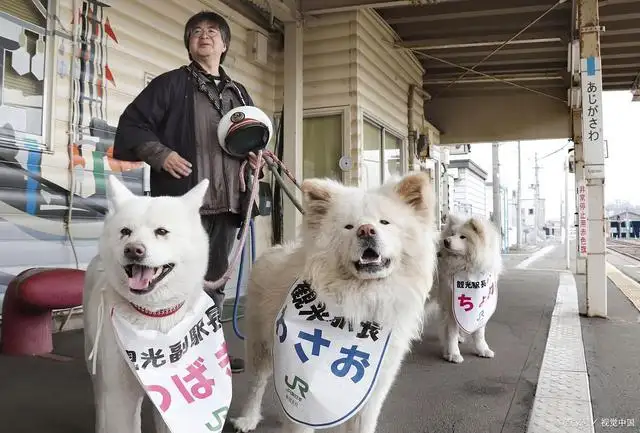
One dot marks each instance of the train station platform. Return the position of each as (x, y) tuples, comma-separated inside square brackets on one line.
[(430, 394)]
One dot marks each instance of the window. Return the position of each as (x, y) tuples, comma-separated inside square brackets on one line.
[(322, 144), (22, 72), (382, 154)]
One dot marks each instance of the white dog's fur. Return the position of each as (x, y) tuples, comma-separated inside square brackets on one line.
[(182, 241), (402, 214), (472, 245)]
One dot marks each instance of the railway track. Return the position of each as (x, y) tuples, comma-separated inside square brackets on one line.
[(626, 247)]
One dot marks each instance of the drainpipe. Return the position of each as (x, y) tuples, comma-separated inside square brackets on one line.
[(412, 133)]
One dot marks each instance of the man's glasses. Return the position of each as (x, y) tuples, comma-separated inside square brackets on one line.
[(198, 32)]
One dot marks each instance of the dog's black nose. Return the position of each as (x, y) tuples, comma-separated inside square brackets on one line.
[(135, 251), (366, 231), (447, 242)]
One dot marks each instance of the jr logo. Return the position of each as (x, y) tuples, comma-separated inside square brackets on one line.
[(302, 386)]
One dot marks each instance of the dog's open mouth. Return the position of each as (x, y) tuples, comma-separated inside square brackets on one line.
[(371, 261), (143, 279)]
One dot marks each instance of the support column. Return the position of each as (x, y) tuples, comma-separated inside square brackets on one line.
[(497, 214), (593, 154), (576, 119), (293, 112)]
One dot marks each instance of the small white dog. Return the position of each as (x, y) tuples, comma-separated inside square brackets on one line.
[(369, 254), (466, 290), (151, 264)]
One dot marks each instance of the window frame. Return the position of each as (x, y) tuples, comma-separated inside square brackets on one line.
[(345, 113), (385, 128), (45, 139)]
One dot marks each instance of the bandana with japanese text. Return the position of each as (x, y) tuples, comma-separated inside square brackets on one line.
[(324, 367), (185, 372), (474, 299)]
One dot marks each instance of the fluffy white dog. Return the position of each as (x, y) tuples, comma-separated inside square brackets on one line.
[(370, 253), (469, 253), (151, 264)]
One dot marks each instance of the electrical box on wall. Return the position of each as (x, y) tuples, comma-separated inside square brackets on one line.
[(258, 47)]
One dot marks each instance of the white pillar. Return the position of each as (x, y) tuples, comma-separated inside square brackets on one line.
[(293, 111), (567, 193), (497, 215), (593, 149)]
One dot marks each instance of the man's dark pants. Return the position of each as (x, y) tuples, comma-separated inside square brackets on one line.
[(222, 230)]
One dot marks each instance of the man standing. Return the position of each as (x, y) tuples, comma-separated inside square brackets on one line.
[(172, 126)]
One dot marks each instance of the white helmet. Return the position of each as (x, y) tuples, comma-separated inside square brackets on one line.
[(244, 129)]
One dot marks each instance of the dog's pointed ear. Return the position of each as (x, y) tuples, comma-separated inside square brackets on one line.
[(416, 191), (451, 219), (117, 194), (477, 225), (195, 196), (317, 199)]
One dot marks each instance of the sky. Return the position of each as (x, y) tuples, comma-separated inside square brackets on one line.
[(621, 129)]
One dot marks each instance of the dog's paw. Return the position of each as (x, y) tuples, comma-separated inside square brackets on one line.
[(245, 424), (485, 352), (456, 358), (461, 339)]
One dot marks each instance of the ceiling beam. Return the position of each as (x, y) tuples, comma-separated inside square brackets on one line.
[(319, 7), (440, 44), (482, 40), (481, 80), (471, 10)]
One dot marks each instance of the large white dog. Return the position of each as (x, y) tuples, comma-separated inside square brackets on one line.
[(369, 255), (466, 293), (150, 267)]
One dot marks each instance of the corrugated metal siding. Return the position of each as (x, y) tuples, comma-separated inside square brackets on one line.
[(347, 62), (385, 73), (328, 62), (150, 40)]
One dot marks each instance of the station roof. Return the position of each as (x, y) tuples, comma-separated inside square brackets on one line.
[(495, 70), (525, 42)]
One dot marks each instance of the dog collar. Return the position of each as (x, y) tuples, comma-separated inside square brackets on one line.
[(158, 313)]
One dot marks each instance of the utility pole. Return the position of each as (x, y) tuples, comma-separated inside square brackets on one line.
[(519, 203), (536, 203), (497, 213)]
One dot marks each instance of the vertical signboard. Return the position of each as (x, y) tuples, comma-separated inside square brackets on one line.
[(592, 136), (582, 218)]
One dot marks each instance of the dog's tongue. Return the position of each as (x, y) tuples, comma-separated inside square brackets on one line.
[(141, 278)]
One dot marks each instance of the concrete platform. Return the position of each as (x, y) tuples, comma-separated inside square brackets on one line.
[(430, 395)]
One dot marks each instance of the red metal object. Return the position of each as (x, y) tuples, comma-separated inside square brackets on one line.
[(26, 310)]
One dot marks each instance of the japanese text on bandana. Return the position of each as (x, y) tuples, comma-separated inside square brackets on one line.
[(186, 372), (324, 366), (474, 299)]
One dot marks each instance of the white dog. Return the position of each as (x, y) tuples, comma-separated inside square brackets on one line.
[(369, 254), (469, 263), (150, 265)]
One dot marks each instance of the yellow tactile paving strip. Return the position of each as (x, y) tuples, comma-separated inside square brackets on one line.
[(628, 286)]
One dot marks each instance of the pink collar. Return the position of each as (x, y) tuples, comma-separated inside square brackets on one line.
[(158, 313)]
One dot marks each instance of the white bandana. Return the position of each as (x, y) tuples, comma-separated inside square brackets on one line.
[(474, 299), (324, 368), (186, 372)]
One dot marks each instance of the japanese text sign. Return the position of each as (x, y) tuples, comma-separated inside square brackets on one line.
[(325, 366), (582, 218), (185, 372), (592, 133), (475, 297)]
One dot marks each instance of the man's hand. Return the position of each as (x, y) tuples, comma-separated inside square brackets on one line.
[(253, 161), (177, 166)]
